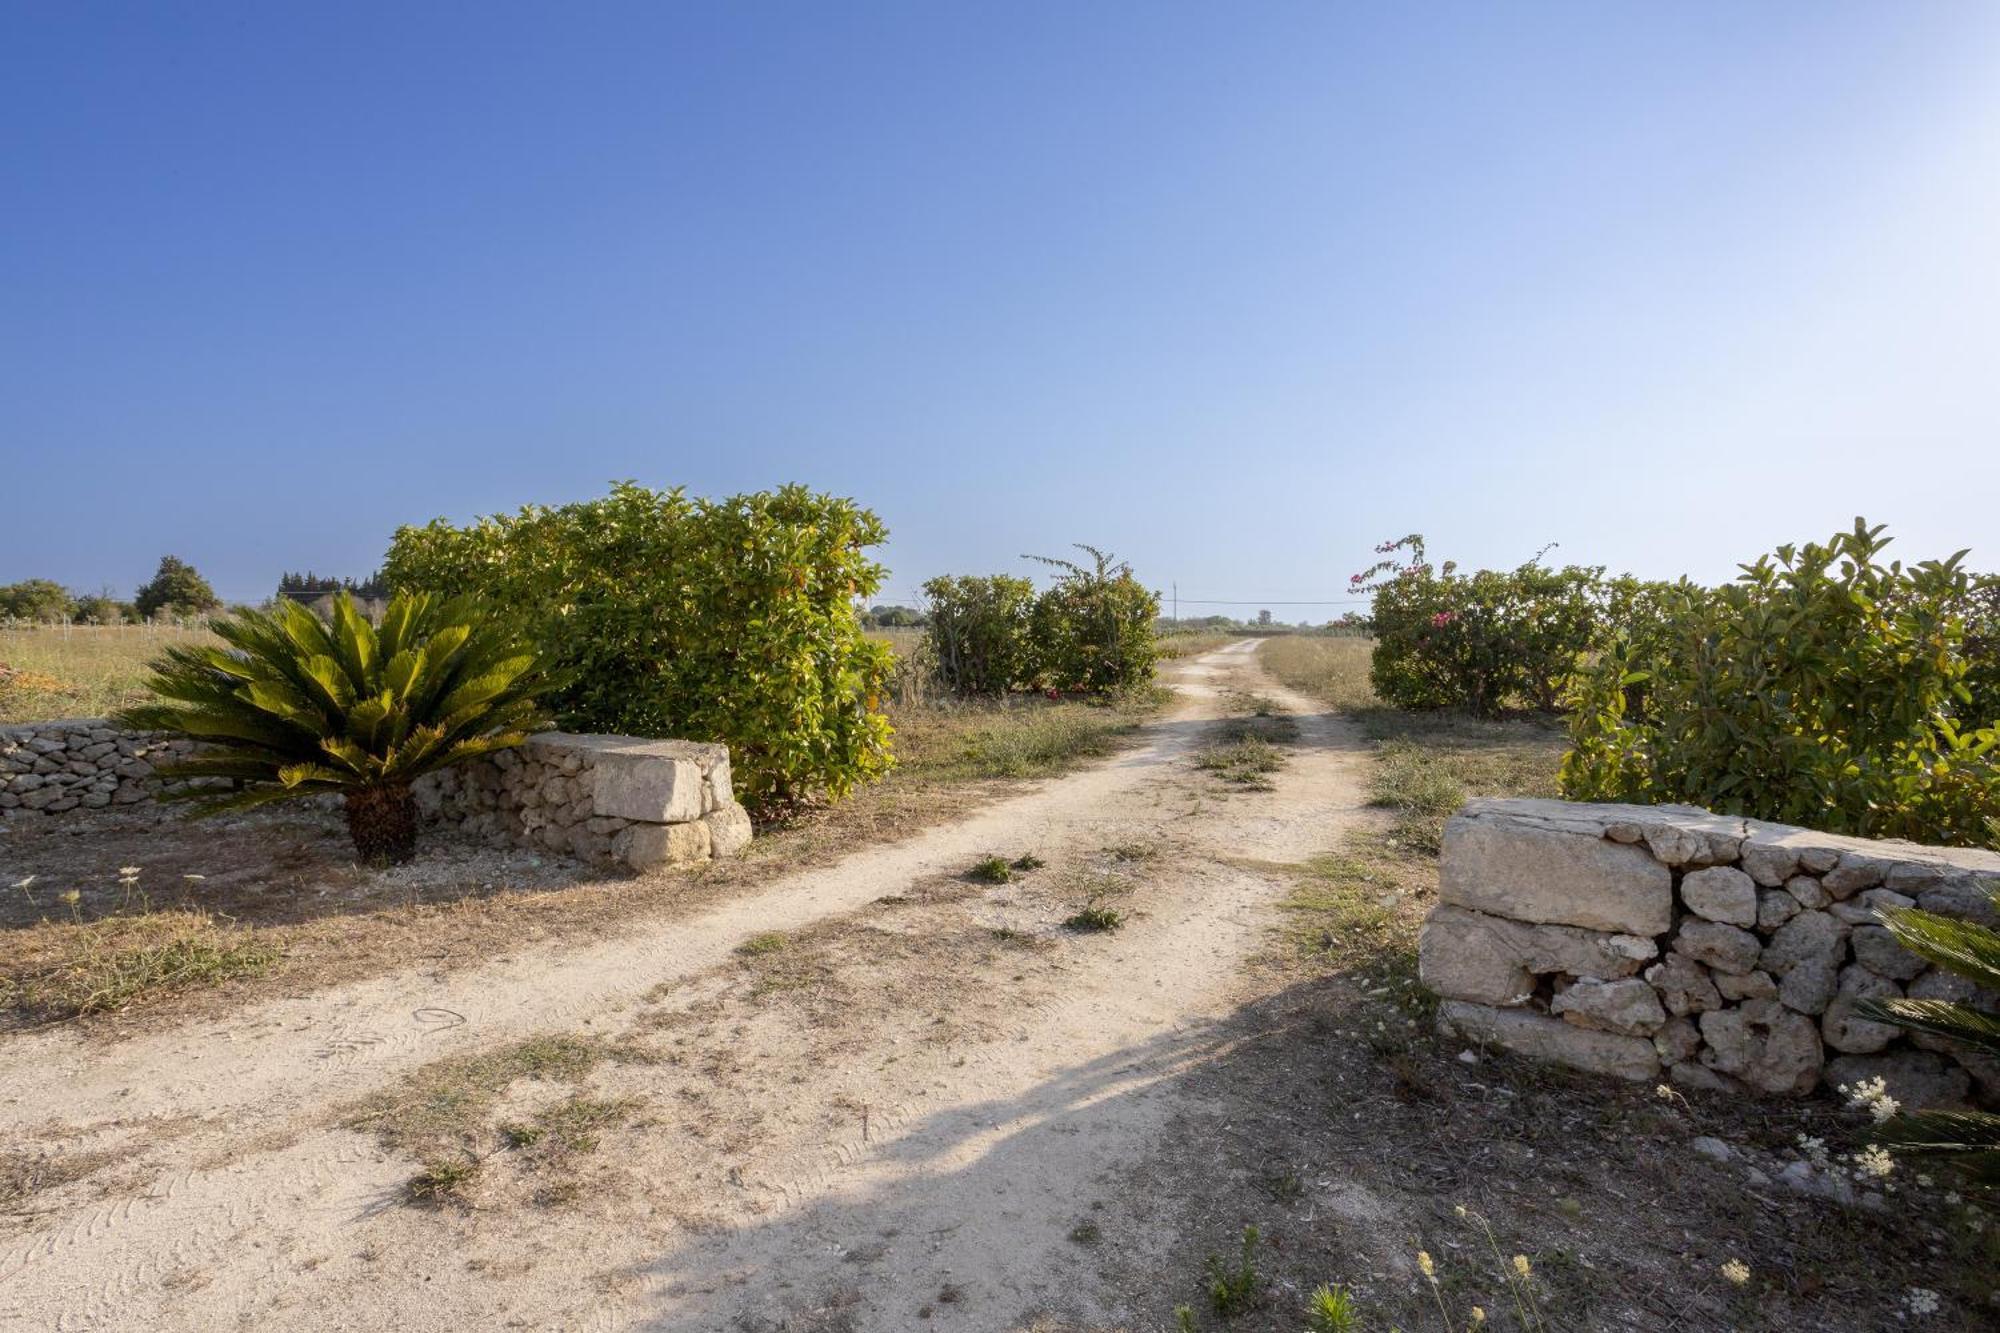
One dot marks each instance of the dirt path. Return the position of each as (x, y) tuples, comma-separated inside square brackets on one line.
[(900, 1119)]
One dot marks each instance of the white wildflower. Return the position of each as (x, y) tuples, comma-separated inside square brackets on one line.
[(1736, 1271), (1921, 1301), (1874, 1160), (1872, 1095)]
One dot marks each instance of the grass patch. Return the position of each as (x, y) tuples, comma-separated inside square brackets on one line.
[(1094, 918), (120, 961), (1426, 768), (1246, 763), (439, 1112), (443, 1180), (1023, 736), (992, 870), (769, 941), (1333, 670), (81, 670), (1028, 861)]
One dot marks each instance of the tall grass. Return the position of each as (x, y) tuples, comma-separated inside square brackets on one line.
[(1332, 670), (59, 671)]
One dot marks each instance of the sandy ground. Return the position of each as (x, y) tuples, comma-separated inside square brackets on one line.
[(901, 1119)]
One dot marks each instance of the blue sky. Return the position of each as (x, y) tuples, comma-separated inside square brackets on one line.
[(1236, 290)]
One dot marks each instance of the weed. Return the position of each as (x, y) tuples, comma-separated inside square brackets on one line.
[(573, 1126), (1283, 1186), (992, 870), (443, 1180), (1245, 763), (120, 961), (1132, 851), (441, 1108), (1331, 1310), (1028, 861), (1095, 918), (1232, 1293), (1183, 1319), (517, 1135), (1086, 1233), (770, 941)]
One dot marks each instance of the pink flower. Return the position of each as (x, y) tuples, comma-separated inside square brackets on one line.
[(1442, 618)]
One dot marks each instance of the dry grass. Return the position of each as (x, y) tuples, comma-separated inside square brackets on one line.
[(1331, 669), (108, 965), (80, 670), (1172, 646)]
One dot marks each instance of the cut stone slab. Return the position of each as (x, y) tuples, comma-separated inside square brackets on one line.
[(1721, 893), (1540, 1037), (1466, 955), (646, 845), (1532, 873)]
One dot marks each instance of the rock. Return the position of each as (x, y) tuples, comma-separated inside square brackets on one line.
[(1623, 831), (1724, 948), (1774, 908), (1965, 899), (1676, 846), (1854, 873), (1694, 1074), (1745, 986), (1677, 1041), (1530, 873), (645, 845), (1808, 988), (1766, 1045), (655, 789), (1721, 893), (1883, 899), (1800, 1176), (1880, 952), (1542, 1038), (1845, 1030), (1629, 1006), (1852, 913), (719, 782), (1712, 1148), (1809, 935), (1918, 1080), (1769, 864), (1683, 985), (729, 829)]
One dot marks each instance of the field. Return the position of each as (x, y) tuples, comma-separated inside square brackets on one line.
[(78, 670), (1088, 1017)]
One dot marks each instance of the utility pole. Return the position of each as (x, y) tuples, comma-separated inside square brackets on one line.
[(1177, 603)]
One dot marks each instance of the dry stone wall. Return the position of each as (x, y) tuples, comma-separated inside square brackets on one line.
[(1721, 953), (52, 768), (621, 799)]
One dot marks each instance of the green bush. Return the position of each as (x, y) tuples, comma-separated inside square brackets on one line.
[(36, 599), (1092, 629), (294, 707), (1481, 641), (978, 631), (1823, 687), (730, 620)]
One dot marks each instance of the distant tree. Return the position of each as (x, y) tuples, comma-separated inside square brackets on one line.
[(103, 607), (1263, 617), (36, 599), (893, 617), (310, 587), (176, 589)]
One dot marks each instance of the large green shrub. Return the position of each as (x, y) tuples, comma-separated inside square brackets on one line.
[(1092, 629), (295, 706), (730, 620), (1823, 687), (1482, 641), (36, 599), (978, 631)]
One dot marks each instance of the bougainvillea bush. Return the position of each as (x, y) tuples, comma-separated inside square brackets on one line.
[(716, 620), (1823, 687), (1482, 641)]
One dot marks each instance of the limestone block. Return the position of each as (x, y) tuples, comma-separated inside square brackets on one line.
[(1721, 893), (1723, 948), (1537, 874), (728, 829), (1683, 985), (1542, 1038), (1630, 1007), (1469, 955), (1806, 937), (642, 846), (1746, 985), (1765, 1045), (1878, 951), (1774, 908), (1846, 1031)]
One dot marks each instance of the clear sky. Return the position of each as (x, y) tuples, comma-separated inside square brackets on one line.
[(1236, 290)]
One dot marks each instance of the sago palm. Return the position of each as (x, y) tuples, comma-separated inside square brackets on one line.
[(296, 706), (1968, 1139)]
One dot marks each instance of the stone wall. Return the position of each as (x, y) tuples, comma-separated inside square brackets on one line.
[(51, 768), (1720, 953), (637, 802)]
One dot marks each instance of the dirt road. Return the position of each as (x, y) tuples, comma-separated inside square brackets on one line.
[(895, 1110)]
